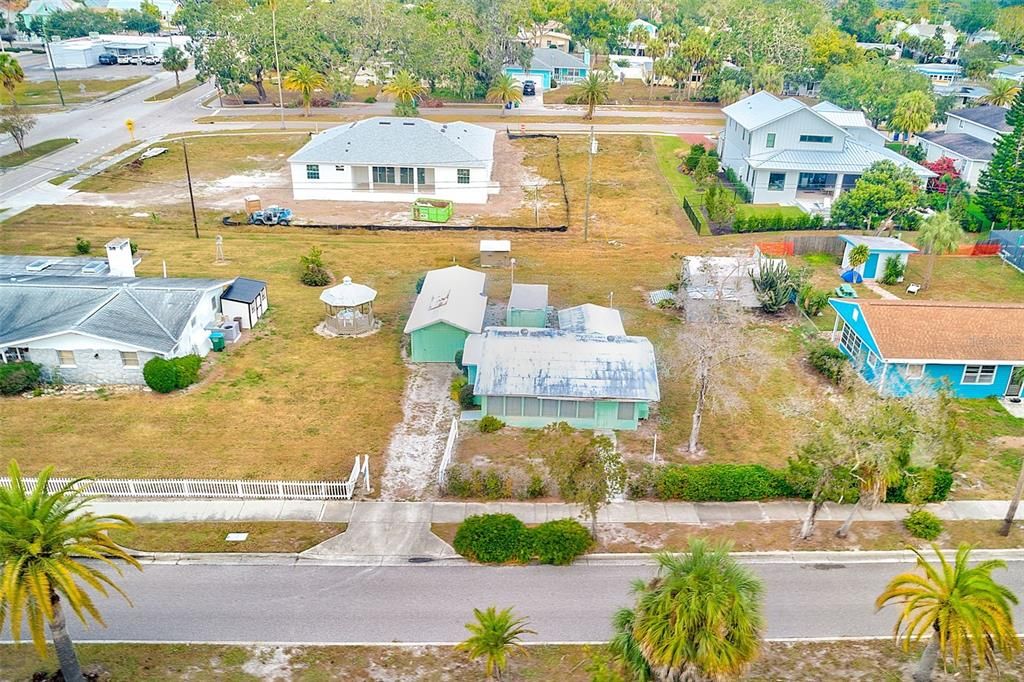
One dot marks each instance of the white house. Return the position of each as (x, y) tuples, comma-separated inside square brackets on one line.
[(548, 34), (793, 154), (639, 47), (389, 158), (1011, 72), (81, 53), (924, 31), (969, 139)]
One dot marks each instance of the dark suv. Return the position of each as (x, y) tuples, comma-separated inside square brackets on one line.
[(107, 59), (529, 88)]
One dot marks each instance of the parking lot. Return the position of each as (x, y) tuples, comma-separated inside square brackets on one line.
[(37, 68)]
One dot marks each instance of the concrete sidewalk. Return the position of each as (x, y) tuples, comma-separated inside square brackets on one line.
[(152, 511)]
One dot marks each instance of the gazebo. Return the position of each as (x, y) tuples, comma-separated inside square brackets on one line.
[(349, 308)]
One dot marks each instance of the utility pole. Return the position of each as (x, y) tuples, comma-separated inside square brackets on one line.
[(53, 68), (591, 150), (277, 60), (191, 197)]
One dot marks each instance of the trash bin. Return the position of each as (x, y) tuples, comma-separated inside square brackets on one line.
[(217, 341)]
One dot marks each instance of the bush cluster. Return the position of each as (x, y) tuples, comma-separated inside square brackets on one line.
[(466, 397), (164, 376), (921, 485), (502, 538), (828, 360), (777, 222), (490, 424), (741, 189), (18, 377), (83, 246), (315, 276), (491, 484), (923, 524)]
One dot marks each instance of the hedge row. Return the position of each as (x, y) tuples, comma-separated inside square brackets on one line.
[(777, 222), (164, 376), (752, 482), (502, 539), (18, 377)]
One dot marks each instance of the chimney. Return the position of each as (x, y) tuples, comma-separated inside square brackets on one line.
[(119, 258)]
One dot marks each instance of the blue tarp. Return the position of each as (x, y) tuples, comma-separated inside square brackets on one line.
[(852, 276)]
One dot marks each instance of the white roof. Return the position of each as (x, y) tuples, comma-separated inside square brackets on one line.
[(528, 296), (760, 109), (348, 294), (841, 117), (854, 157), (453, 295), (591, 319), (879, 243), (502, 245), (553, 363)]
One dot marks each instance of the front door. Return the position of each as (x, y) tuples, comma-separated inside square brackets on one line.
[(871, 267), (1016, 382)]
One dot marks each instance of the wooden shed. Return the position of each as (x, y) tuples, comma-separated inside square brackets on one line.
[(495, 253)]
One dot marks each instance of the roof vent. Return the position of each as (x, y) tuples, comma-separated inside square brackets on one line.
[(439, 300), (524, 332), (39, 265)]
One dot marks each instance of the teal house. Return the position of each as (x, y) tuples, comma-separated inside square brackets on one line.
[(527, 306), (450, 306), (549, 66), (903, 348), (535, 377), (880, 250)]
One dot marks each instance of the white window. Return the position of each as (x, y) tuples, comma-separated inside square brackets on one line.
[(872, 360), (851, 341), (130, 359), (312, 171), (66, 358), (626, 412), (915, 371), (979, 374), (463, 176)]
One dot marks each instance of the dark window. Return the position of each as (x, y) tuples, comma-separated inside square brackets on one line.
[(626, 411), (339, 168), (405, 176), (979, 374), (777, 181), (586, 410), (770, 141), (312, 171), (463, 176), (421, 176), (384, 175), (823, 139)]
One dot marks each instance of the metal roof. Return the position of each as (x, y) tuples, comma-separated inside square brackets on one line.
[(244, 290), (67, 266), (888, 244), (939, 69), (1009, 71), (761, 108), (853, 158), (452, 295), (988, 115), (961, 144), (591, 319), (841, 117), (348, 294), (397, 141), (498, 245), (149, 314), (528, 296), (552, 363)]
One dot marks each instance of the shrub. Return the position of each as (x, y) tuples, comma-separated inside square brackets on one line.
[(466, 397), (921, 485), (719, 483), (83, 246), (134, 246), (315, 276), (490, 484), (456, 387), (559, 542), (537, 487), (490, 424), (693, 157), (186, 370), (18, 377), (458, 360), (923, 524), (160, 375), (419, 283), (812, 301), (457, 483), (893, 272), (828, 360), (370, 100), (493, 539)]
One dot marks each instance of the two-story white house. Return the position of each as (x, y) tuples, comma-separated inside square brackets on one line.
[(388, 158), (793, 154), (969, 139)]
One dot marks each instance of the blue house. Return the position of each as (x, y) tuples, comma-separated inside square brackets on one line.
[(906, 347), (880, 250), (550, 65)]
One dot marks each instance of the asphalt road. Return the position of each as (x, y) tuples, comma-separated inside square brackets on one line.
[(328, 604)]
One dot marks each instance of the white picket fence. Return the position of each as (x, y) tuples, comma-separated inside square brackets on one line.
[(449, 448), (217, 489)]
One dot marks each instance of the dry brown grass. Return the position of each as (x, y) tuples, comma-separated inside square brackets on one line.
[(264, 536)]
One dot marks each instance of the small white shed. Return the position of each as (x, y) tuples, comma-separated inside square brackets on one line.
[(495, 253), (246, 299)]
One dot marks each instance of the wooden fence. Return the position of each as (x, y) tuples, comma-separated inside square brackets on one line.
[(817, 243)]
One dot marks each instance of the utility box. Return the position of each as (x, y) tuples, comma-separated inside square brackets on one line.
[(253, 204), (433, 210)]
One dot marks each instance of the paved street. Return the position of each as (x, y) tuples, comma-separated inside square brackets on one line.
[(333, 604)]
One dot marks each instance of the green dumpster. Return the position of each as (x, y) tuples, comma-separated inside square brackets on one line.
[(217, 341), (433, 210)]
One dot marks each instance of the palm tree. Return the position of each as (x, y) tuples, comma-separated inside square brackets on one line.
[(656, 49), (1002, 92), (768, 77), (694, 51), (495, 637), (176, 61), (698, 619), (405, 88), (11, 74), (43, 540), (592, 90), (940, 234), (504, 89), (859, 256), (638, 37), (913, 113), (729, 91), (306, 80), (966, 612)]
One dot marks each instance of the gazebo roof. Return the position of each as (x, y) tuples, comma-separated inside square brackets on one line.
[(348, 294)]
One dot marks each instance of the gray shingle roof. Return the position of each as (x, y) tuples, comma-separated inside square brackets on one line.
[(550, 58), (395, 141), (989, 116), (150, 314), (965, 145)]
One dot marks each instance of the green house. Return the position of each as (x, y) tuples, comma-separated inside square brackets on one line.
[(535, 377), (450, 306), (527, 306)]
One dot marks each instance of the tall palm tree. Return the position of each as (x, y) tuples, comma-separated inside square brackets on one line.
[(768, 77), (638, 37), (967, 613), (592, 90), (940, 234), (176, 61), (495, 637), (913, 113), (1002, 92), (11, 74), (729, 91), (656, 49), (405, 88), (43, 540), (698, 619), (504, 89), (695, 51), (305, 80)]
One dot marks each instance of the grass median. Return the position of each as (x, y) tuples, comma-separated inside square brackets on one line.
[(174, 91), (35, 151), (264, 536)]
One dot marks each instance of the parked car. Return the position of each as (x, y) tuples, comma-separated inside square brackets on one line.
[(123, 59), (529, 88), (135, 59), (107, 59), (151, 59)]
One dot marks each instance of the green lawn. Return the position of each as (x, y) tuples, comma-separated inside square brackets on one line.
[(174, 91), (35, 151), (75, 91), (747, 210), (963, 278)]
